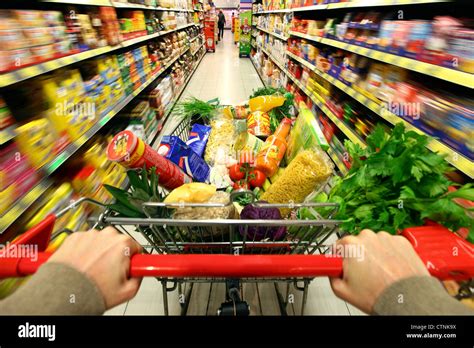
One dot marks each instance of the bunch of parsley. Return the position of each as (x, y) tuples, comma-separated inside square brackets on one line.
[(396, 182)]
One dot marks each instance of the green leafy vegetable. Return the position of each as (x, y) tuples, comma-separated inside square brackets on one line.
[(143, 188), (396, 182), (197, 110)]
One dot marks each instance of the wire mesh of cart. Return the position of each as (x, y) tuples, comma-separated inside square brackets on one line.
[(229, 236)]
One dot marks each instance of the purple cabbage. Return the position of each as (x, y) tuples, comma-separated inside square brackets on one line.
[(258, 233)]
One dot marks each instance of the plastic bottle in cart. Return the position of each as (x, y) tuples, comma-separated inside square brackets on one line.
[(273, 150), (132, 152)]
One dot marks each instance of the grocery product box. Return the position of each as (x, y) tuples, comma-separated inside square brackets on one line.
[(176, 150)]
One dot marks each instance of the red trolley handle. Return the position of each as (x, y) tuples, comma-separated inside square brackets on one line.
[(446, 256)]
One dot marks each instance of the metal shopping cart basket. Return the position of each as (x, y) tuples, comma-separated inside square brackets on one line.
[(223, 250), (210, 256)]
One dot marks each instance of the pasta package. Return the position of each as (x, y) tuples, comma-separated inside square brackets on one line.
[(305, 134), (308, 171), (220, 144)]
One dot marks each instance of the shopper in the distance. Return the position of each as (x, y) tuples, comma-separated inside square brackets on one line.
[(89, 274), (220, 24)]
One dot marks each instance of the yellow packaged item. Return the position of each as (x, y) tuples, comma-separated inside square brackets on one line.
[(266, 103), (305, 134), (195, 192), (36, 138), (308, 171), (57, 200)]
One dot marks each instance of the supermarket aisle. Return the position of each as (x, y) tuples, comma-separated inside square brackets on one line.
[(224, 75)]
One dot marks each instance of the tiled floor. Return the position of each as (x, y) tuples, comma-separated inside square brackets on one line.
[(224, 75)]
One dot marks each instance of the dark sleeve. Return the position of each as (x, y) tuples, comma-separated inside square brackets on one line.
[(419, 296), (56, 289)]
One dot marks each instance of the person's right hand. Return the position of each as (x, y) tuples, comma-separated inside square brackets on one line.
[(104, 256), (385, 260)]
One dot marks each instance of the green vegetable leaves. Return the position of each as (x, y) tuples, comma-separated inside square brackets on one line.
[(197, 110), (143, 188), (396, 182)]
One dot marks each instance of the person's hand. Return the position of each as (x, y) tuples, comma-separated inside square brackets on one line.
[(384, 260), (104, 256)]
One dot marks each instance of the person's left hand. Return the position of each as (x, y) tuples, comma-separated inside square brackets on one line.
[(104, 256)]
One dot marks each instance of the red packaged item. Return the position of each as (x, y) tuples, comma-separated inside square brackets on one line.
[(132, 152)]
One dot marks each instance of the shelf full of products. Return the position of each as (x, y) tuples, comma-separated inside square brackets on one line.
[(323, 54), (137, 87)]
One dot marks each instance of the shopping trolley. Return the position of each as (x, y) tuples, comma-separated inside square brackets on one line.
[(192, 251), (189, 251)]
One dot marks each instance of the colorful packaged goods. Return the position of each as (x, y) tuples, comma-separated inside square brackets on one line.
[(305, 134), (30, 36), (198, 138), (258, 124), (6, 118), (38, 140), (175, 150), (131, 152), (273, 150)]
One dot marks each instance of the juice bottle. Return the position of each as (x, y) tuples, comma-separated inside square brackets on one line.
[(273, 150)]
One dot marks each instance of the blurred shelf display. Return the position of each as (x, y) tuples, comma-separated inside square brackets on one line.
[(455, 76), (56, 115), (272, 33), (387, 65), (22, 74)]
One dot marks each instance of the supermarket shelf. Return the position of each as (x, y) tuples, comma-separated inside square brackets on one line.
[(351, 135), (339, 164), (310, 8), (22, 204), (176, 98), (342, 168), (353, 4), (373, 3), (274, 11), (348, 132), (447, 74), (21, 74), (274, 59), (145, 7), (193, 53), (19, 207), (456, 159), (195, 38), (281, 37), (7, 134), (80, 2)]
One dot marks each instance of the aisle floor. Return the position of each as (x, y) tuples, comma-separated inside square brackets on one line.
[(232, 79)]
